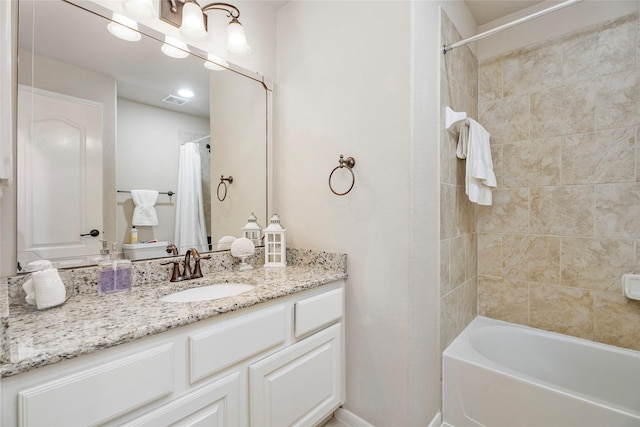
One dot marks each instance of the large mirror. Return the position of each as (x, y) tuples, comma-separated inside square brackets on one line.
[(102, 127)]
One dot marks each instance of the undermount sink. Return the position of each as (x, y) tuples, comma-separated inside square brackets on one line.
[(208, 293)]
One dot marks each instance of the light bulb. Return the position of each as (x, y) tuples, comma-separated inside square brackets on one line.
[(192, 27), (174, 48), (124, 28)]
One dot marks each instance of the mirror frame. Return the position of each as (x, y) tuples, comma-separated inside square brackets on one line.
[(8, 107)]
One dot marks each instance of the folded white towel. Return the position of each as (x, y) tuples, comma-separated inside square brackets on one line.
[(474, 145), (144, 213), (45, 289)]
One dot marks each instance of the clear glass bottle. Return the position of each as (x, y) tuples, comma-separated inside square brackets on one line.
[(114, 275)]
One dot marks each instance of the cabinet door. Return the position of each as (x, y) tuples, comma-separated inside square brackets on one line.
[(299, 385)]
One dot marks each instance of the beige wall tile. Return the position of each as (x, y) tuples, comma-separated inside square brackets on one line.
[(563, 110), (599, 157), (447, 211), (466, 219), (496, 158), (490, 79), (596, 263), (471, 255), (448, 319), (445, 281), (617, 211), (490, 254), (562, 309), (601, 49), (467, 303), (457, 261), (618, 100), (506, 119), (532, 69), (563, 211), (532, 163), (503, 299), (531, 258), (638, 151), (509, 212), (616, 320)]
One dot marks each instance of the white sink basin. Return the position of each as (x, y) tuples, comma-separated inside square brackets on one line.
[(208, 293)]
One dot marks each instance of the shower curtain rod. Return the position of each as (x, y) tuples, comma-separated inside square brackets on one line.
[(201, 139), (446, 48)]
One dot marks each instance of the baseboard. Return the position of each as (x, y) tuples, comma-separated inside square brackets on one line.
[(350, 419)]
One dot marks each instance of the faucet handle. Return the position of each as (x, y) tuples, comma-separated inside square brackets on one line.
[(198, 271), (175, 274)]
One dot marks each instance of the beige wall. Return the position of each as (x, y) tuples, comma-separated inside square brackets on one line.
[(357, 80), (458, 216), (564, 227)]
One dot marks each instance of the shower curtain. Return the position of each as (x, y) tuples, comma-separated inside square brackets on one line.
[(190, 230)]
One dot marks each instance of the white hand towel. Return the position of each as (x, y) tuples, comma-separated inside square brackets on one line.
[(144, 213), (47, 289), (474, 145)]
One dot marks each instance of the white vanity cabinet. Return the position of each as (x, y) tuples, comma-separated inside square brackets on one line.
[(275, 364)]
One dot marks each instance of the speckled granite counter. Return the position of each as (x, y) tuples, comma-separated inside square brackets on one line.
[(88, 322)]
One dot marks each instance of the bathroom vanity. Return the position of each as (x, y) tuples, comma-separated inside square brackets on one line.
[(271, 356)]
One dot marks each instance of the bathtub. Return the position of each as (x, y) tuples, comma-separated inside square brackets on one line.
[(501, 374)]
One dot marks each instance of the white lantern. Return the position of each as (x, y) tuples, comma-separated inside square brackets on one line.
[(275, 248), (252, 230)]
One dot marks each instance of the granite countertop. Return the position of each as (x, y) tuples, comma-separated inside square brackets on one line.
[(88, 322)]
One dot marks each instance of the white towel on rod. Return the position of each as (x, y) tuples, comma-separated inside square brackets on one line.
[(144, 212), (474, 145)]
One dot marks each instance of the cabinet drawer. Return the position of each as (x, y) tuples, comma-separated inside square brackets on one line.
[(98, 394), (314, 312), (235, 340), (216, 404)]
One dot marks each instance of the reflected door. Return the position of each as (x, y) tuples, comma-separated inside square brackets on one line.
[(60, 178)]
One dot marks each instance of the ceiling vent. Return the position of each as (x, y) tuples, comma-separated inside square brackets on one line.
[(175, 100)]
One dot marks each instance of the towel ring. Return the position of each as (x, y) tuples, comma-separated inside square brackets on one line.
[(349, 163), (223, 184)]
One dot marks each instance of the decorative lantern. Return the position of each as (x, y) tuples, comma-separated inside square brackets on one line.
[(275, 248), (252, 230)]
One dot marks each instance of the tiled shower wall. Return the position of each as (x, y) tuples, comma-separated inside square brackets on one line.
[(458, 217), (564, 117)]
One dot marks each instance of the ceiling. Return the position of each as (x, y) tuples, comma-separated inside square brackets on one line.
[(485, 11)]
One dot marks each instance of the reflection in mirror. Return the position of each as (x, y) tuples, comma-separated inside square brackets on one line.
[(99, 117)]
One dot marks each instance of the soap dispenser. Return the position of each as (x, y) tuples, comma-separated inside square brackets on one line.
[(114, 275)]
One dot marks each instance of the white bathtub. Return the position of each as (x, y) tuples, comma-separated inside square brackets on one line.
[(501, 374)]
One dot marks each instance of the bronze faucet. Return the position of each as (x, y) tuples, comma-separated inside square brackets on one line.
[(176, 276)]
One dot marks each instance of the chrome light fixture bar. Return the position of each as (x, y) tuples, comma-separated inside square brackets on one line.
[(191, 18)]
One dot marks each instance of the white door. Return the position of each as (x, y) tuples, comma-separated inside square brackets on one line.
[(59, 177)]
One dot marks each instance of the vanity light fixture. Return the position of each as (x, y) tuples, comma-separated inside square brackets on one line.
[(124, 28), (174, 48), (190, 17), (142, 9)]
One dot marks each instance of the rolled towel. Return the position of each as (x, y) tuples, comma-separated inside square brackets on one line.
[(144, 213), (48, 289), (38, 265)]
